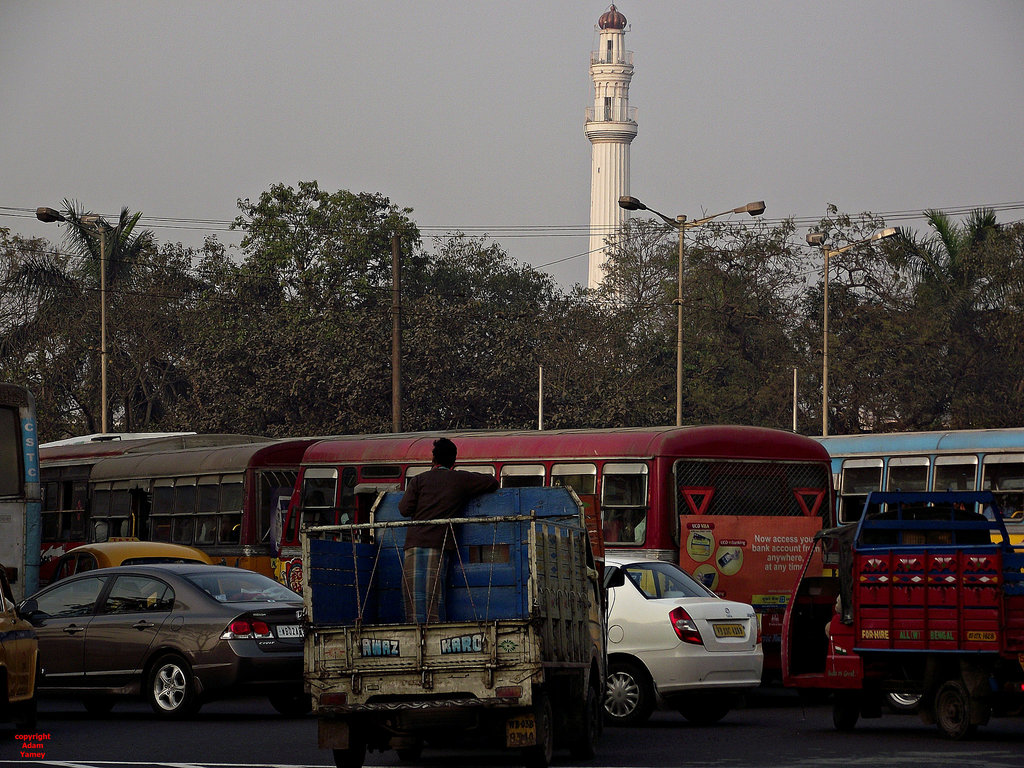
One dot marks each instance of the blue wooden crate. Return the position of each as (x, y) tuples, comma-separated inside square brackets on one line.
[(340, 581)]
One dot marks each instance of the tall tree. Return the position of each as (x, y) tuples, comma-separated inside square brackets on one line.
[(302, 345)]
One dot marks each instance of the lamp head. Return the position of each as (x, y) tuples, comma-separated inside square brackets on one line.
[(816, 239), (890, 232), (631, 203), (754, 209), (49, 215)]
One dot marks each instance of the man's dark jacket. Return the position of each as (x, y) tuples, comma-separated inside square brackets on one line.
[(435, 495)]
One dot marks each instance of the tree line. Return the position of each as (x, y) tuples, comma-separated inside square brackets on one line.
[(292, 336)]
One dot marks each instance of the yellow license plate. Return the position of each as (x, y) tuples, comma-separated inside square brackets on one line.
[(521, 731), (729, 630)]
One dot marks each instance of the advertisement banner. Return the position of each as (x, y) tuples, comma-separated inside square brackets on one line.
[(753, 560)]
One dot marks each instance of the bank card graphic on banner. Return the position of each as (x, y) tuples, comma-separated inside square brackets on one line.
[(753, 560)]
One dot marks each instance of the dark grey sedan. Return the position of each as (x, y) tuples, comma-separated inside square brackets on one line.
[(176, 635)]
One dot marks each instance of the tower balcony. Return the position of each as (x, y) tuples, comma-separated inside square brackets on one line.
[(606, 57), (611, 113)]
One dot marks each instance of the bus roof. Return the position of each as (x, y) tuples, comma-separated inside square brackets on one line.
[(953, 441), (71, 453), (716, 441), (276, 454)]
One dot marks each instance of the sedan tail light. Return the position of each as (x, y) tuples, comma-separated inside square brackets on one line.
[(240, 629), (685, 628)]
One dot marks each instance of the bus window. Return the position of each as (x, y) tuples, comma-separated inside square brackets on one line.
[(955, 473), (522, 476), (121, 510), (207, 507), (482, 469), (232, 498), (319, 491), (582, 478), (11, 465), (624, 503), (275, 491), (411, 472), (1004, 476), (163, 505), (859, 477), (183, 524), (909, 473), (100, 513)]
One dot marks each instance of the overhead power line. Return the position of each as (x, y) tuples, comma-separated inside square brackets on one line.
[(527, 230)]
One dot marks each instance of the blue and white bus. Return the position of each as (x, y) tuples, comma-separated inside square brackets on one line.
[(957, 460), (20, 526)]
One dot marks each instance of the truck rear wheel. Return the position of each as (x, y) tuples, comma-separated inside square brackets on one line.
[(351, 756), (539, 755), (584, 743), (953, 710)]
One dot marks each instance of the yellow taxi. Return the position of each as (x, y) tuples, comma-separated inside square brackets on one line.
[(19, 661), (107, 554)]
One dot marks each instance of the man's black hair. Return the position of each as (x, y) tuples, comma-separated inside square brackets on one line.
[(445, 452)]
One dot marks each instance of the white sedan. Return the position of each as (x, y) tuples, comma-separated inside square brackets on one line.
[(672, 643)]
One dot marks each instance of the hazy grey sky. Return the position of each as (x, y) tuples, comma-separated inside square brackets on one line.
[(471, 112)]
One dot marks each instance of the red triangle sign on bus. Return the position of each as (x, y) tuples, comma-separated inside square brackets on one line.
[(698, 499), (809, 500)]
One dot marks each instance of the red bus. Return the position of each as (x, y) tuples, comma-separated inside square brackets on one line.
[(224, 494), (735, 506)]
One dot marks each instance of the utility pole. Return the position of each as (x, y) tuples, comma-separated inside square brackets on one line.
[(396, 336)]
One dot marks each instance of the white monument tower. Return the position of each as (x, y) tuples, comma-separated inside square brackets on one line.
[(611, 126)]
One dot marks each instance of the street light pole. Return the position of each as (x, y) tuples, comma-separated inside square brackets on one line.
[(101, 229), (818, 239), (682, 224)]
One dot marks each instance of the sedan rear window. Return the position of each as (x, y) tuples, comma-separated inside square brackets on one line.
[(240, 586), (657, 580)]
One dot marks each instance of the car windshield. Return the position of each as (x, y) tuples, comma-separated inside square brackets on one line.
[(239, 586), (658, 580)]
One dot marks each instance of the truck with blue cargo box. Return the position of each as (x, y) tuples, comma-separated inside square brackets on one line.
[(923, 596), (518, 661)]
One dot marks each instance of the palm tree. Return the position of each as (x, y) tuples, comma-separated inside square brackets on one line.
[(955, 291), (59, 337), (949, 264)]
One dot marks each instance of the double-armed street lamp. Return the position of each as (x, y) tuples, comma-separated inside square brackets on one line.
[(101, 229), (681, 224), (817, 239)]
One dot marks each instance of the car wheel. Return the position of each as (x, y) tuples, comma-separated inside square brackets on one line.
[(539, 755), (584, 742), (953, 710), (25, 714), (706, 710), (98, 705), (629, 694), (171, 687), (292, 704)]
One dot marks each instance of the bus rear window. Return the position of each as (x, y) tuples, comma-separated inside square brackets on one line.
[(319, 491), (624, 503)]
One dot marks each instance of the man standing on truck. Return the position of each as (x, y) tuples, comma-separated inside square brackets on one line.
[(435, 495)]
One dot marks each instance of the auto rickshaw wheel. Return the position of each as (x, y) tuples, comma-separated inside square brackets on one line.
[(845, 710)]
